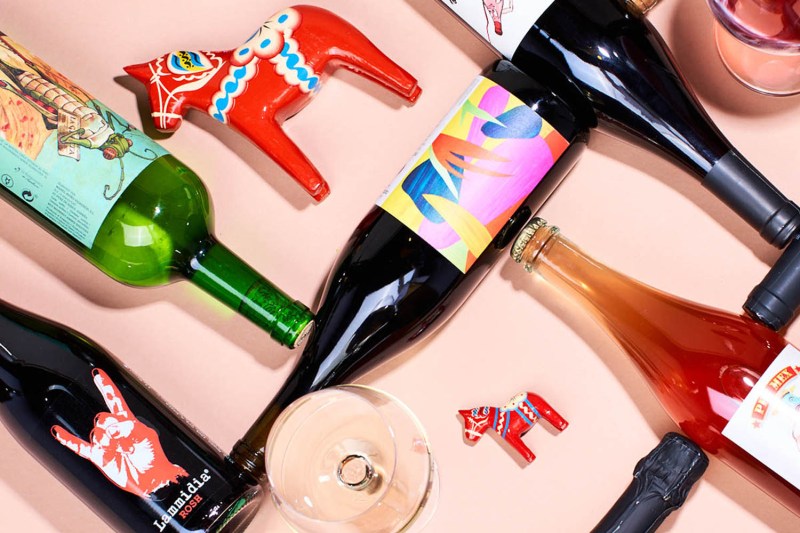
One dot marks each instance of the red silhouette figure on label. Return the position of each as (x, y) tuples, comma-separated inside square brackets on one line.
[(512, 421), (126, 450), (268, 79)]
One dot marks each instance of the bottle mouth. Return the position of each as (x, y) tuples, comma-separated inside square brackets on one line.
[(531, 241), (640, 7), (304, 334)]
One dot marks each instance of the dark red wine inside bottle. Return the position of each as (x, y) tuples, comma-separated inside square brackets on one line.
[(434, 234), (109, 439), (604, 57)]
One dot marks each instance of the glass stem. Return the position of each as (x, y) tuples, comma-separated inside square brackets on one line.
[(222, 274)]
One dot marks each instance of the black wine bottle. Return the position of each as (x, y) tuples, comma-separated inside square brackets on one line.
[(776, 300), (106, 436), (661, 482), (604, 57), (433, 234)]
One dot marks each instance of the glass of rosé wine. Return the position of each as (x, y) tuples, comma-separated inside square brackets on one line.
[(759, 42)]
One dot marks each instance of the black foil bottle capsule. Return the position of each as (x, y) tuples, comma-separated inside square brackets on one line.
[(661, 482), (434, 234), (607, 60), (109, 439)]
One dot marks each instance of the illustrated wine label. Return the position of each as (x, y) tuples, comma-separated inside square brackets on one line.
[(504, 23), (129, 452), (767, 423), (472, 174), (61, 151)]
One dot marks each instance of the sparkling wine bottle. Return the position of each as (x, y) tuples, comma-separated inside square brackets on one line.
[(661, 482), (433, 234), (604, 57), (119, 199), (729, 382), (131, 458)]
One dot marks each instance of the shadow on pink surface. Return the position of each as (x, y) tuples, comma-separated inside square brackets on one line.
[(652, 166)]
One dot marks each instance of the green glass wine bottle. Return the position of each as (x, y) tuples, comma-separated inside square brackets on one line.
[(118, 198)]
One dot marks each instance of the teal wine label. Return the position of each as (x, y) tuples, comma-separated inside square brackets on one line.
[(61, 151)]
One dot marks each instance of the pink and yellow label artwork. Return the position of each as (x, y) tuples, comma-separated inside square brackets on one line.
[(480, 164)]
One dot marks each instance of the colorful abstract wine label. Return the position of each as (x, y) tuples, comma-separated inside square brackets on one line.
[(61, 151), (503, 23), (767, 423), (472, 174)]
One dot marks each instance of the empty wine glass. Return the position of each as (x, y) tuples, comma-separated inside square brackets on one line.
[(351, 459)]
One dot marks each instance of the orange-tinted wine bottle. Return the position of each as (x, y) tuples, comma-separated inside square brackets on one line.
[(730, 383)]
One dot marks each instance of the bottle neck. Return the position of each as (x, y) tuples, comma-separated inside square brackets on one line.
[(661, 481), (744, 189), (225, 276), (248, 452), (641, 319), (635, 512)]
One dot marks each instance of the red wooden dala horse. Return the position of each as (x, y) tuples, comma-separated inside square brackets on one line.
[(268, 79), (512, 421)]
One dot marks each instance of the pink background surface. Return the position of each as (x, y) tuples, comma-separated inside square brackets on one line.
[(625, 206)]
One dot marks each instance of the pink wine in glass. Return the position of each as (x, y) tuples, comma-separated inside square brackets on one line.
[(759, 42)]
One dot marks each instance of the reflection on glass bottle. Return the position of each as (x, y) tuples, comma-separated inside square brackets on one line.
[(107, 436), (433, 235), (661, 482), (149, 225), (611, 66), (718, 375)]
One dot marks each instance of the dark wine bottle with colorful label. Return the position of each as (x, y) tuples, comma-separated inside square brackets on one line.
[(434, 233), (606, 59), (107, 436)]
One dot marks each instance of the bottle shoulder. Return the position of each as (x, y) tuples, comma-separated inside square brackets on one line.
[(571, 121), (157, 224), (611, 63)]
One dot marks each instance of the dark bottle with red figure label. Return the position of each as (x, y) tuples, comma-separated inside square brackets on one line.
[(105, 435), (433, 234), (606, 59)]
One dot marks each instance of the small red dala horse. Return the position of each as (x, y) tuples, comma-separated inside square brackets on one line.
[(512, 421), (266, 80)]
